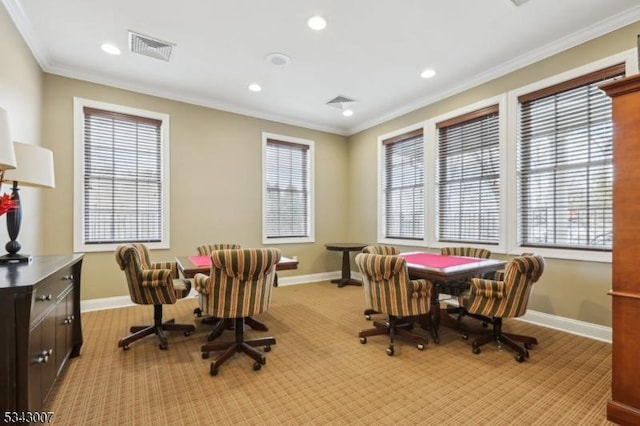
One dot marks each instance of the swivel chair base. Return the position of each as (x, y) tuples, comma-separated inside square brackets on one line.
[(498, 336), (158, 328), (400, 327)]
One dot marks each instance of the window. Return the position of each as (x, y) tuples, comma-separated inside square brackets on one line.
[(564, 164), (122, 181), (403, 186), (468, 176), (287, 190)]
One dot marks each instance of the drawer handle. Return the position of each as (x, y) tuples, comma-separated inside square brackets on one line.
[(44, 356), (67, 278), (44, 298)]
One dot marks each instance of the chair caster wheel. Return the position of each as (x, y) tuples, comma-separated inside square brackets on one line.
[(257, 366), (125, 348), (363, 340), (163, 346), (390, 351), (367, 317), (476, 350), (205, 355), (420, 347), (187, 333), (528, 345), (214, 370), (465, 337), (520, 358), (267, 348)]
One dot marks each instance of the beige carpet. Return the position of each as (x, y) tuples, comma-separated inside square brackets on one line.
[(318, 373)]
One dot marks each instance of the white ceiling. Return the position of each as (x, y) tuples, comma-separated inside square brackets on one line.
[(371, 50)]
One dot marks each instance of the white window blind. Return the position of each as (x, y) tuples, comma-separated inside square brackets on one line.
[(468, 170), (565, 169), (288, 190), (403, 186), (122, 178)]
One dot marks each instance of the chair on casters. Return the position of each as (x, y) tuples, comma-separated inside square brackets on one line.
[(151, 283), (376, 249), (490, 301), (239, 285), (392, 292), (206, 250)]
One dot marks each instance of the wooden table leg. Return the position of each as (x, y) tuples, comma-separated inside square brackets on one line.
[(346, 279)]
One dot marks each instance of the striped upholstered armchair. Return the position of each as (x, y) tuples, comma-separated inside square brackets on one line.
[(238, 286), (206, 250), (376, 249), (390, 291), (151, 283), (490, 301)]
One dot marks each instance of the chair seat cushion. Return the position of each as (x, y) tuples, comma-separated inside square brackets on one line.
[(182, 287)]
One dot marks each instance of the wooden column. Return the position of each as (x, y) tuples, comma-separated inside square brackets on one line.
[(624, 405)]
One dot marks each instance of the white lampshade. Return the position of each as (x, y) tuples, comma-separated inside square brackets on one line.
[(34, 166), (7, 153)]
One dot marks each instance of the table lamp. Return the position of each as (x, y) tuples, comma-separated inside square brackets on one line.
[(34, 167)]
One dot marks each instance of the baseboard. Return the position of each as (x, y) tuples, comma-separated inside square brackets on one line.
[(581, 328)]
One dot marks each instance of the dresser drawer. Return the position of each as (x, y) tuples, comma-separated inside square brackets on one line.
[(47, 293)]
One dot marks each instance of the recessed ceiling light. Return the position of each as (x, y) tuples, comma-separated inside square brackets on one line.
[(278, 59), (347, 113), (254, 87), (110, 49), (317, 23), (428, 73)]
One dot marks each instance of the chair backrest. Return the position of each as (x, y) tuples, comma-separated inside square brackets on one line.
[(206, 250), (381, 249), (390, 289), (242, 281), (519, 276), (466, 251), (147, 285)]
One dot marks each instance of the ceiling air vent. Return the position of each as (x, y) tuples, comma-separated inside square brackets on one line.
[(340, 101), (148, 46), (518, 2)]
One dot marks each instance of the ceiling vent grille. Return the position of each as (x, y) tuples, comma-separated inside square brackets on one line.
[(148, 46), (340, 101), (518, 2)]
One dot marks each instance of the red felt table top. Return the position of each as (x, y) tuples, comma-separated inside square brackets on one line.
[(437, 260), (200, 260)]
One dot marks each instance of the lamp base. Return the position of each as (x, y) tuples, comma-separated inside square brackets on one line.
[(15, 258)]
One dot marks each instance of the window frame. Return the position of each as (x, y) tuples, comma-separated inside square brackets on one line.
[(79, 104), (381, 182), (311, 201), (513, 244), (433, 190)]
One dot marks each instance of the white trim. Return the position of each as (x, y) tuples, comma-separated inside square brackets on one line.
[(78, 164), (311, 172)]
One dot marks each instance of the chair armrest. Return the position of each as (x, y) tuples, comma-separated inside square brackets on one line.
[(201, 283), (421, 288), (157, 278), (172, 266), (488, 288)]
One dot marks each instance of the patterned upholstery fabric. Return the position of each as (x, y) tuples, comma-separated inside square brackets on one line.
[(240, 281), (381, 249), (150, 283), (389, 288), (507, 298), (206, 250), (465, 251)]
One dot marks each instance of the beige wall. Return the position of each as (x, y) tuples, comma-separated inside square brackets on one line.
[(21, 95), (216, 190), (570, 289), (211, 149)]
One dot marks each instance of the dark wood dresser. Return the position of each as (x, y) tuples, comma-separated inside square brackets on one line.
[(624, 405), (40, 328)]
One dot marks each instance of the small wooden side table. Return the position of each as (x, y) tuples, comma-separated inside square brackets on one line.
[(345, 248)]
